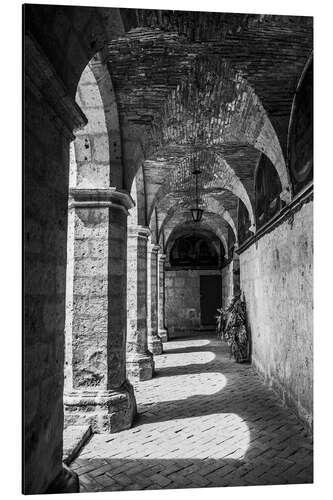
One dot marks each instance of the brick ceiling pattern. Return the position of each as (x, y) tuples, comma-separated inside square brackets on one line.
[(202, 86)]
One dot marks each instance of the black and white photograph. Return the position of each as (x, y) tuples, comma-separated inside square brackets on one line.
[(167, 249)]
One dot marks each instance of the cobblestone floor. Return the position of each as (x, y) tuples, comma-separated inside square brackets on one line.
[(203, 421)]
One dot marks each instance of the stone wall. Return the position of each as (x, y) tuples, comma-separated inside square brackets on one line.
[(276, 278), (182, 301), (45, 274)]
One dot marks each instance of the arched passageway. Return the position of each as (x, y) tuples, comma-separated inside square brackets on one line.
[(193, 280), (160, 157)]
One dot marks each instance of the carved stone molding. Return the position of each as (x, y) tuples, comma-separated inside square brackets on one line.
[(155, 248), (138, 231), (305, 196), (100, 197), (104, 410)]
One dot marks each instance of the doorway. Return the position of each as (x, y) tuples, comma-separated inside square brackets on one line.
[(210, 298)]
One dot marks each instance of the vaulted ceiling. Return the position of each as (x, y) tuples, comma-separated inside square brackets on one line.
[(208, 91)]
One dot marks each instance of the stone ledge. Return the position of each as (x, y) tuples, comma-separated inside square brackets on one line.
[(100, 197), (75, 437), (296, 204), (138, 231)]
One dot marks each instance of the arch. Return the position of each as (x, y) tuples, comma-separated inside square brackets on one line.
[(218, 222), (194, 250), (190, 240), (154, 228), (300, 132), (215, 173), (227, 217), (185, 226), (80, 35), (243, 223), (137, 214), (267, 191), (106, 89), (173, 205), (97, 145), (71, 37), (224, 113)]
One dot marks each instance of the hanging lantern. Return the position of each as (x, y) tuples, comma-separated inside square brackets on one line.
[(196, 212)]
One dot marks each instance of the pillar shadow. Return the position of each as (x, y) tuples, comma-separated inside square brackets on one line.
[(269, 459), (247, 397), (114, 474)]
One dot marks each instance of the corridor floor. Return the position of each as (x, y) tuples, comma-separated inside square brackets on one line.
[(204, 421)]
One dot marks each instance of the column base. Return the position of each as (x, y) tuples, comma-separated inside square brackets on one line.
[(163, 334), (105, 411), (140, 367), (155, 344), (66, 482)]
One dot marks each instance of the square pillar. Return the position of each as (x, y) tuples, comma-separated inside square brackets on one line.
[(139, 360), (96, 389), (50, 117), (154, 341), (162, 330)]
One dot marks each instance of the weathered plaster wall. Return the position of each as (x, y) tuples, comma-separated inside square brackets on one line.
[(182, 301), (276, 278)]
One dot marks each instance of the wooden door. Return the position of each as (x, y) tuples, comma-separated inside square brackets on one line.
[(210, 298)]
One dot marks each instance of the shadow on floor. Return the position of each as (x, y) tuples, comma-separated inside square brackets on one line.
[(271, 442), (141, 474)]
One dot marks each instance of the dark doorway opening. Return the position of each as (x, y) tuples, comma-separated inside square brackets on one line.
[(210, 298)]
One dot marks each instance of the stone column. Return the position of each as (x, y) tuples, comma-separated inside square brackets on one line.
[(140, 363), (162, 331), (154, 341), (97, 391)]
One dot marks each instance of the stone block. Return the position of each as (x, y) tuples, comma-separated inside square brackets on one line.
[(139, 367), (105, 411)]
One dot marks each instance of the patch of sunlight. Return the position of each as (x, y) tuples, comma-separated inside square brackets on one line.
[(186, 358), (180, 387), (179, 344), (223, 436)]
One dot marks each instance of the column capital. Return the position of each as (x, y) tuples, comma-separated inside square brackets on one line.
[(100, 197), (138, 231), (162, 256), (154, 248)]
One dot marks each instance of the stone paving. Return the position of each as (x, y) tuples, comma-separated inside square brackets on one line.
[(204, 421)]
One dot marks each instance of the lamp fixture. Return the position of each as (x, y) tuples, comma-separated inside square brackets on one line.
[(196, 212)]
